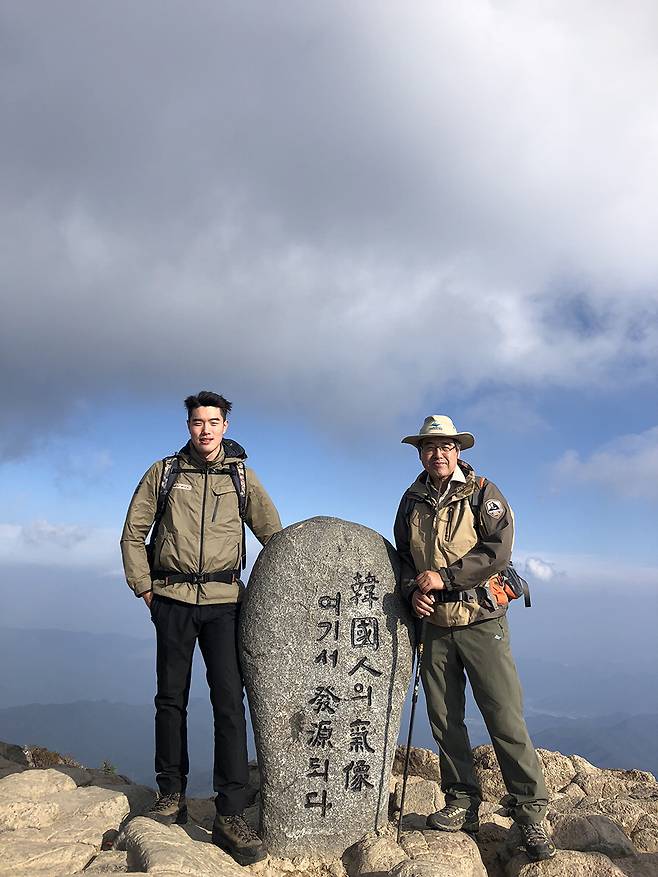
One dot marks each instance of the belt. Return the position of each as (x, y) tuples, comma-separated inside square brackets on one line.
[(444, 596), (228, 576)]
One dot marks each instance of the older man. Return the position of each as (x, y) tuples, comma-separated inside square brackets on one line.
[(454, 532)]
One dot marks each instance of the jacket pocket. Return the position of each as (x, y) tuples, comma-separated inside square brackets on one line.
[(221, 502)]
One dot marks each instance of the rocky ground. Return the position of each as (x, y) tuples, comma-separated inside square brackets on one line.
[(60, 819)]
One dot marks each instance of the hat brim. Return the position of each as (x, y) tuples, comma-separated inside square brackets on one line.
[(466, 439)]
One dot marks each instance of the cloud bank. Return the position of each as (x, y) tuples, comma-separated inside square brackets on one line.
[(307, 205), (627, 466), (43, 543)]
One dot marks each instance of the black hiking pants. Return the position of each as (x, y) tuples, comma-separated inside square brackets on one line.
[(178, 627)]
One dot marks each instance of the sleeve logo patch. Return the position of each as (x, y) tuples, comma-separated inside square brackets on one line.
[(493, 508)]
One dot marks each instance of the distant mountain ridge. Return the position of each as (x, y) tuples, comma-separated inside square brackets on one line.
[(97, 731), (92, 694), (56, 666)]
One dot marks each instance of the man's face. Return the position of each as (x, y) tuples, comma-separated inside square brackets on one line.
[(439, 458), (207, 427)]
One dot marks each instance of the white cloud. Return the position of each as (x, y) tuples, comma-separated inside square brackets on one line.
[(317, 200), (64, 546), (587, 571), (42, 534), (540, 569), (627, 466)]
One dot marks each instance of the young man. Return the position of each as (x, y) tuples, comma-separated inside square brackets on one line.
[(452, 550), (189, 577)]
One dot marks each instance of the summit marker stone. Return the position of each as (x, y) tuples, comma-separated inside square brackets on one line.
[(326, 649)]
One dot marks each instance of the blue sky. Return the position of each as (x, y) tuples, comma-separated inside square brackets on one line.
[(344, 217)]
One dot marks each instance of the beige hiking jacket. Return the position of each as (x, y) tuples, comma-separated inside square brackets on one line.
[(443, 537), (200, 531)]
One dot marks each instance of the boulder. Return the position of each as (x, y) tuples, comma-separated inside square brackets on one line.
[(488, 773), (80, 775), (624, 811), (108, 862), (12, 752), (26, 814), (139, 797), (26, 854), (33, 785), (559, 770), (373, 856), (640, 865), (645, 834), (8, 767), (602, 783), (422, 796), (593, 833), (565, 864), (174, 849), (440, 854), (566, 800), (422, 763), (326, 652)]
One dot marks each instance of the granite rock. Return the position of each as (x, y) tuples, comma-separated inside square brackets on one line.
[(175, 849), (14, 753), (440, 854), (592, 833), (326, 652), (373, 856), (422, 763), (421, 797), (24, 855), (108, 862), (605, 783), (566, 863), (645, 834)]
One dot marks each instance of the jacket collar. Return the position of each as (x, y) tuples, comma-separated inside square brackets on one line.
[(457, 489), (228, 452)]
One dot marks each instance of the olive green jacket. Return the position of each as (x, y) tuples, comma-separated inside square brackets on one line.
[(200, 531), (443, 537)]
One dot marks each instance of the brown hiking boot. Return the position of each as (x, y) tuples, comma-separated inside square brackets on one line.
[(241, 842), (169, 809)]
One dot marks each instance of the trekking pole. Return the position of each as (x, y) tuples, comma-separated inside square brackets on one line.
[(414, 701)]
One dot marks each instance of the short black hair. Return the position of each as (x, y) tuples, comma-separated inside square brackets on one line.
[(207, 399)]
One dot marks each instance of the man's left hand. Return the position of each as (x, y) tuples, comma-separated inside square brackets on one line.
[(429, 581)]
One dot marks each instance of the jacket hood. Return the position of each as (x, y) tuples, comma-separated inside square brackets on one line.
[(229, 452)]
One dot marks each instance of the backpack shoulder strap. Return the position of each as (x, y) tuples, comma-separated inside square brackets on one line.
[(238, 474), (475, 499), (169, 475), (518, 583)]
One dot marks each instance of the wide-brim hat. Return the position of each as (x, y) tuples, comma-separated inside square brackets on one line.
[(440, 426)]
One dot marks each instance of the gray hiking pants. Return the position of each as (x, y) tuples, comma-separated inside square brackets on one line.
[(482, 652)]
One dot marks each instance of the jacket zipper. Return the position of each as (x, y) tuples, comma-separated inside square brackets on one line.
[(451, 514), (435, 528), (214, 511), (203, 524)]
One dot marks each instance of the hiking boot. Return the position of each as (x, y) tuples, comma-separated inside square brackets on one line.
[(241, 842), (453, 817), (536, 842), (169, 809)]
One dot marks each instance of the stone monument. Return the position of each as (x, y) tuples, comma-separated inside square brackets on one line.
[(326, 647)]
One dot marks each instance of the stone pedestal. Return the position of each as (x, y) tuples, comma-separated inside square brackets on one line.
[(326, 645)]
